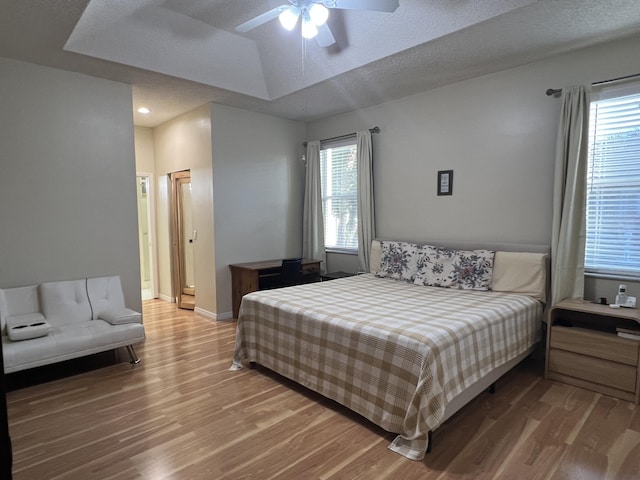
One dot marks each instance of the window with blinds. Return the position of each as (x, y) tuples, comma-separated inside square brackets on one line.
[(613, 183), (339, 195)]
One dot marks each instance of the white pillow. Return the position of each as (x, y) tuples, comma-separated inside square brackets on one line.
[(521, 272), (374, 256), (120, 316)]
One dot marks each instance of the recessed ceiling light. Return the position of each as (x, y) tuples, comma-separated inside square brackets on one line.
[(143, 110)]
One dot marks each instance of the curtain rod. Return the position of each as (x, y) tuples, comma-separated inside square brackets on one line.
[(340, 137), (603, 82), (557, 91)]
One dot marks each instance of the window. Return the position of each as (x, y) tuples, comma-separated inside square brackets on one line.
[(338, 168), (613, 183)]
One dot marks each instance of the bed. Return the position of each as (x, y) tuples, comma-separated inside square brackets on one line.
[(404, 354)]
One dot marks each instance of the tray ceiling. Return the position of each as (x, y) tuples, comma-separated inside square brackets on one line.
[(179, 54)]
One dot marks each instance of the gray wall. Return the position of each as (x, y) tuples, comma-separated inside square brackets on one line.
[(184, 143), (67, 178), (497, 132), (258, 187), (247, 190)]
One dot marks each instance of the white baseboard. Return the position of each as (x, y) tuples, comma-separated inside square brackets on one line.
[(166, 298), (213, 316), (225, 316), (204, 313)]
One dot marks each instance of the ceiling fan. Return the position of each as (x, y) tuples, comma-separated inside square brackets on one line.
[(314, 14)]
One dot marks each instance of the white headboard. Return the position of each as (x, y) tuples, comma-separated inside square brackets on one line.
[(497, 246)]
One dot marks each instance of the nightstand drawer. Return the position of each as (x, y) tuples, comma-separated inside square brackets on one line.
[(596, 370), (595, 344)]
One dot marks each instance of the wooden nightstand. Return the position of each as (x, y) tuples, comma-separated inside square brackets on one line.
[(583, 348)]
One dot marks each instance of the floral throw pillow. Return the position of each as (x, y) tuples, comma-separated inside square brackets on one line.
[(435, 267), (398, 260), (475, 269), (463, 269)]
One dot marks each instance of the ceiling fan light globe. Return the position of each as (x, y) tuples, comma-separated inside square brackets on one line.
[(309, 30), (289, 17), (318, 14)]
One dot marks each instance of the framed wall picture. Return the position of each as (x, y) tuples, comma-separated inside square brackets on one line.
[(445, 182)]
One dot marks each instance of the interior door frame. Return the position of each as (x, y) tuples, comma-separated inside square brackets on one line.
[(151, 212), (177, 234)]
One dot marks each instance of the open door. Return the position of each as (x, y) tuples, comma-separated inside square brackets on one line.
[(145, 237), (183, 236)]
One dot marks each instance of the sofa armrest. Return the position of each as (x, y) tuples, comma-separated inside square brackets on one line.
[(120, 316)]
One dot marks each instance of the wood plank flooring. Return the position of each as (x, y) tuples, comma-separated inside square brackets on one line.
[(181, 414)]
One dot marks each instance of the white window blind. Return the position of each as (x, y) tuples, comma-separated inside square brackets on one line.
[(613, 183), (338, 164)]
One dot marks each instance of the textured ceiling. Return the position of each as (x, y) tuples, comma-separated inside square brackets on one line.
[(179, 54)]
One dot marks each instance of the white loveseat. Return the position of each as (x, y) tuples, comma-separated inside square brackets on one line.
[(56, 321)]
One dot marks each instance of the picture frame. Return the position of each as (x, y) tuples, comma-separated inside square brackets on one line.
[(445, 182)]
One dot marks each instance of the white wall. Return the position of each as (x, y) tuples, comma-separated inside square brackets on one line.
[(67, 181), (497, 132), (258, 184), (145, 156)]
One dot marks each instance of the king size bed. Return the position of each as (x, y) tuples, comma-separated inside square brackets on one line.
[(396, 345)]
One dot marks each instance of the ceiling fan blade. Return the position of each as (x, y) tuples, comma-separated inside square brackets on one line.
[(374, 5), (325, 37), (261, 19)]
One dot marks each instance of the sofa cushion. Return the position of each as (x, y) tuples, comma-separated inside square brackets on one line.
[(120, 316), (105, 295), (17, 301), (27, 326), (65, 302)]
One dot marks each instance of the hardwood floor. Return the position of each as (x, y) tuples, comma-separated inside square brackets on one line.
[(181, 414)]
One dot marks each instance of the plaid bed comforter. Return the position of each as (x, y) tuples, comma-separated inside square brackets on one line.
[(393, 352)]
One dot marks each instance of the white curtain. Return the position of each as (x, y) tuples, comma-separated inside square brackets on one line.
[(568, 230), (312, 220), (366, 214)]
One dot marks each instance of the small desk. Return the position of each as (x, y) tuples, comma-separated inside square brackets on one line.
[(245, 277)]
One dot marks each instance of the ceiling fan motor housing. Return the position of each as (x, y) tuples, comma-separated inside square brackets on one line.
[(314, 15)]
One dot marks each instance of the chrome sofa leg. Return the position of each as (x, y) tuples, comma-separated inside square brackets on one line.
[(132, 353)]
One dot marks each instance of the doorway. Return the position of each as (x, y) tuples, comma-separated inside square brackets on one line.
[(145, 236), (183, 235)]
